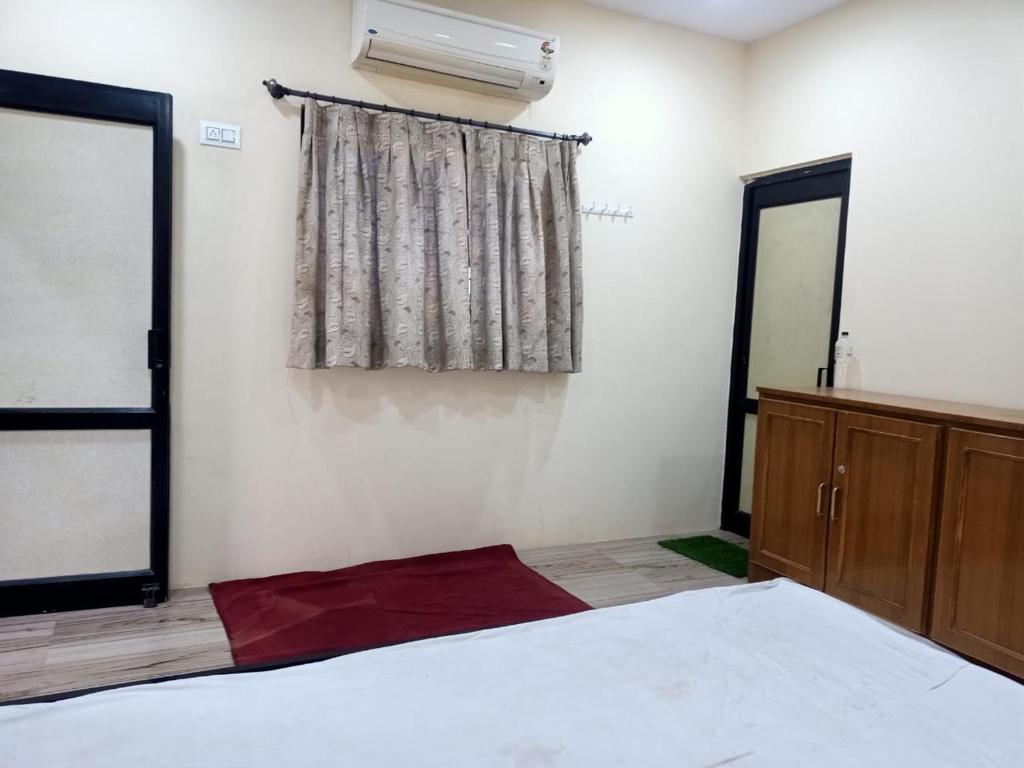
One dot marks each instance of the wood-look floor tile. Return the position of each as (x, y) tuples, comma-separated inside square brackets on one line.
[(646, 551), (684, 578), (190, 594), (22, 661), (637, 553), (128, 670), (571, 565), (562, 553), (109, 646), (734, 538), (24, 641), (601, 590), (21, 632), (85, 649), (679, 566), (76, 664), (114, 610), (21, 673), (165, 618)]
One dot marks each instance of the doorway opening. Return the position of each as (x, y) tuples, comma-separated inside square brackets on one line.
[(788, 295)]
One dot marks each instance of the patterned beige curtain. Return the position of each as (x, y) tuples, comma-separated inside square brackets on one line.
[(381, 261), (525, 245), (400, 261)]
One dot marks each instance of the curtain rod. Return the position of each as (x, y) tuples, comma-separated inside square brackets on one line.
[(278, 91)]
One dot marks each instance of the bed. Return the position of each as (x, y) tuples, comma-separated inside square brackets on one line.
[(770, 674)]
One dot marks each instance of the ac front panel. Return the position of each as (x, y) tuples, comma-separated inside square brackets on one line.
[(422, 26), (419, 58)]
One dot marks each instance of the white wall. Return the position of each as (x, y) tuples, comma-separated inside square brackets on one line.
[(929, 98), (276, 470)]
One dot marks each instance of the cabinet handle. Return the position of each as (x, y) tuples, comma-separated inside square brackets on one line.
[(818, 510), (832, 509)]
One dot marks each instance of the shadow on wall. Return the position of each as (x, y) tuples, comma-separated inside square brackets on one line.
[(288, 107), (432, 462), (359, 396)]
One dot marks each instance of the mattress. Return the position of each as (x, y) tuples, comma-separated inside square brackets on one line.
[(769, 674)]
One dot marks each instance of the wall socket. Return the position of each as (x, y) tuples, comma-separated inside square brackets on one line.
[(220, 134)]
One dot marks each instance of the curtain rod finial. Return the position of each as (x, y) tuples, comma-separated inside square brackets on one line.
[(274, 88), (585, 139)]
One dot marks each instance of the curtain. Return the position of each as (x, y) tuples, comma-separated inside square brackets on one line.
[(381, 260), (527, 280), (430, 245)]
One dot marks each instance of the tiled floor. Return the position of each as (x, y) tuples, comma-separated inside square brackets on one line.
[(626, 571), (58, 652)]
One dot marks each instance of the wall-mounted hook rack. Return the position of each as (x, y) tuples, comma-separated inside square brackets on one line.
[(618, 211)]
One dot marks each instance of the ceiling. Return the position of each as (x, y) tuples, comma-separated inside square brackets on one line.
[(743, 20)]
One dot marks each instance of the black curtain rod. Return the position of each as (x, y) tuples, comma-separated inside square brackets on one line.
[(279, 91)]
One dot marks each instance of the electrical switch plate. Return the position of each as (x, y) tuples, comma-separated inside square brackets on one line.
[(220, 134)]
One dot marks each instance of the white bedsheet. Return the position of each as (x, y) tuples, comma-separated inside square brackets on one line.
[(762, 675)]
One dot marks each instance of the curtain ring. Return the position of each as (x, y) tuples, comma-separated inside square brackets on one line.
[(510, 129)]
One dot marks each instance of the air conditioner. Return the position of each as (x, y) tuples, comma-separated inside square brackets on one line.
[(424, 42)]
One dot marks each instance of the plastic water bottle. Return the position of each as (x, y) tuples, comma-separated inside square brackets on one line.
[(844, 351)]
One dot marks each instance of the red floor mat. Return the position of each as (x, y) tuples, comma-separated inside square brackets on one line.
[(299, 615)]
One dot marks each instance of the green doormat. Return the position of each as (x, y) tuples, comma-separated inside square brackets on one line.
[(713, 551)]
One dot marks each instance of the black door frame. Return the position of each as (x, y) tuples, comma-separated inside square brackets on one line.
[(802, 185), (38, 93)]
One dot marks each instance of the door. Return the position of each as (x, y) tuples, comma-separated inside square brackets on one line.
[(790, 495), (881, 511), (787, 306), (979, 582), (85, 175)]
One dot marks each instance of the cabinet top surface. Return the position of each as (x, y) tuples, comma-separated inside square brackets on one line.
[(964, 414)]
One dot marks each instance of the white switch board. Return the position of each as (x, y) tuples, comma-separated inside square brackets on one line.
[(220, 134)]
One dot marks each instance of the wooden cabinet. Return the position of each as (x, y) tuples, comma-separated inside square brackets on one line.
[(911, 509), (979, 580), (794, 464), (880, 518)]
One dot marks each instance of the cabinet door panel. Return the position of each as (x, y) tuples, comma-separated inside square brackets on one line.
[(881, 517), (979, 586), (792, 468)]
